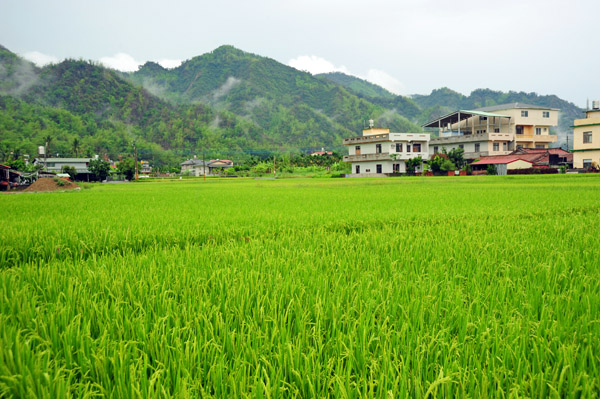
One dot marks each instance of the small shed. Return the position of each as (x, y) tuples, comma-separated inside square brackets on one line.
[(503, 163)]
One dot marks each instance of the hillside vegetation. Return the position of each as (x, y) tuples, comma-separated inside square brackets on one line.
[(226, 103)]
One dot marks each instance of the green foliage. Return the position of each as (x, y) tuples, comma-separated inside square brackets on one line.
[(127, 167), (413, 163), (436, 163), (491, 169), (447, 165), (100, 168), (456, 155), (60, 182), (70, 170)]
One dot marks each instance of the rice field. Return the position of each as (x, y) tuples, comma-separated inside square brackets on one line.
[(481, 287)]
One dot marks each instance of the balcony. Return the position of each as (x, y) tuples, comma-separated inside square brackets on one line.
[(466, 138), (385, 156), (367, 139), (537, 138)]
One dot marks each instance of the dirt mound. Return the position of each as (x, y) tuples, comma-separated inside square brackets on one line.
[(48, 184)]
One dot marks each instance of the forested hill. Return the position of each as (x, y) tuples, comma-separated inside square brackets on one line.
[(288, 105), (226, 103)]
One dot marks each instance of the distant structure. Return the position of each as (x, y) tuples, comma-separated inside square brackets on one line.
[(379, 152), (198, 167), (496, 130), (586, 138), (55, 165)]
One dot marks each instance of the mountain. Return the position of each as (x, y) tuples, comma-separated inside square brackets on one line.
[(292, 107), (226, 103)]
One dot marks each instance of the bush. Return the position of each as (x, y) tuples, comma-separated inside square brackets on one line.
[(491, 170), (447, 165), (533, 171), (60, 182)]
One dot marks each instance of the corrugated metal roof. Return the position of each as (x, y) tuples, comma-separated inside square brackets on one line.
[(453, 117), (513, 106)]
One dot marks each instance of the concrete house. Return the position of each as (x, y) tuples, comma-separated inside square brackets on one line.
[(198, 167), (55, 165), (379, 152), (586, 138), (496, 130)]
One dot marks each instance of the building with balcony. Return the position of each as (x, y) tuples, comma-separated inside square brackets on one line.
[(586, 138), (379, 152), (496, 130)]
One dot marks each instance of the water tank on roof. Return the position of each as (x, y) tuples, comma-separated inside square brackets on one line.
[(596, 104), (41, 150)]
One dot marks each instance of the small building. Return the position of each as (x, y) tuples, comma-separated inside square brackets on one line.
[(56, 164), (586, 138), (9, 178), (198, 167), (146, 169), (379, 152), (503, 163), (495, 130)]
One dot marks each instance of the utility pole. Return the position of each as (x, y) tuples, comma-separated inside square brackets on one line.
[(135, 160), (274, 167), (203, 164)]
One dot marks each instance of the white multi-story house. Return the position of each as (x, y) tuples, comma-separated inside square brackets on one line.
[(379, 152), (495, 130), (586, 138)]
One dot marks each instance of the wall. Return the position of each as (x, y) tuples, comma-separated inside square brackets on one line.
[(593, 148)]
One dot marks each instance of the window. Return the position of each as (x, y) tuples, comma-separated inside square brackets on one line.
[(416, 148), (396, 167), (461, 146), (357, 169), (398, 147), (504, 146), (435, 149), (524, 114), (497, 130), (408, 148), (546, 114), (496, 146), (378, 166), (538, 131), (477, 147), (519, 129), (539, 146), (519, 147), (587, 163), (587, 137), (482, 118), (378, 148), (357, 150)]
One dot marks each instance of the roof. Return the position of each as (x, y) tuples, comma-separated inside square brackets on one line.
[(461, 115), (500, 159), (513, 106), (193, 162), (64, 160)]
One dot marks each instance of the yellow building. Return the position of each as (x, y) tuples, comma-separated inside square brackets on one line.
[(586, 138), (495, 130)]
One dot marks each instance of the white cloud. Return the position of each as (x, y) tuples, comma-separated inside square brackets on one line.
[(315, 65), (40, 59), (121, 62), (386, 81), (167, 63)]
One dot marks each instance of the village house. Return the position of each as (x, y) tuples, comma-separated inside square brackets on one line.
[(379, 152), (586, 138), (198, 167), (496, 130), (55, 165), (525, 158)]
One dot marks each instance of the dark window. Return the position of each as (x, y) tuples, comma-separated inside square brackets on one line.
[(416, 148), (461, 146), (587, 137), (496, 146), (398, 147), (519, 129), (483, 118), (587, 163), (378, 148), (524, 114), (477, 147), (357, 169), (435, 149), (538, 131), (408, 148), (545, 114), (378, 168)]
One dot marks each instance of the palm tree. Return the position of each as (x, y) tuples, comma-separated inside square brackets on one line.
[(75, 145)]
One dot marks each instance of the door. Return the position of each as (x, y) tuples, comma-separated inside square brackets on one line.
[(357, 169)]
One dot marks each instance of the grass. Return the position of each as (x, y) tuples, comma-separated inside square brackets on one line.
[(391, 288)]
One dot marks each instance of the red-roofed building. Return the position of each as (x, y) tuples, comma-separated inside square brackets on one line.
[(524, 158)]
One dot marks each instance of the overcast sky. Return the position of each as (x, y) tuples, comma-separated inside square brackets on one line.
[(407, 46)]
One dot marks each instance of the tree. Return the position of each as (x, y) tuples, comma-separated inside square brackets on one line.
[(456, 155), (127, 167), (48, 141), (436, 163), (75, 146), (70, 170), (99, 168), (491, 169), (447, 165), (412, 164)]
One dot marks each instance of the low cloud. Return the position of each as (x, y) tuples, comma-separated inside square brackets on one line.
[(315, 65), (386, 81), (169, 64), (226, 87), (121, 62), (40, 59)]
